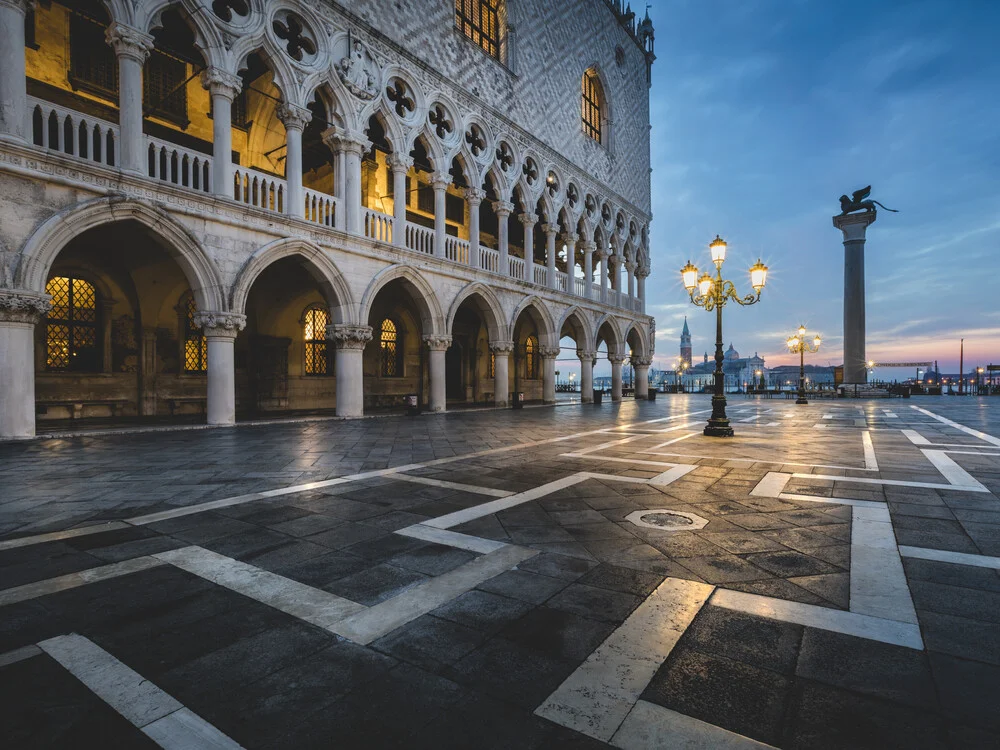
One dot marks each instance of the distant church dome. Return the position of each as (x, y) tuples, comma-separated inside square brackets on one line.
[(731, 353)]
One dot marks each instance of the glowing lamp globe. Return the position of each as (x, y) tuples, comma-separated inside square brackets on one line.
[(758, 275), (718, 248), (705, 285), (690, 275)]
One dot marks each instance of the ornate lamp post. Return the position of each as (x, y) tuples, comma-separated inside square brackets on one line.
[(679, 369), (713, 294), (797, 344)]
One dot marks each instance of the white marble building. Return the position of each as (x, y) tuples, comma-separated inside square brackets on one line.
[(244, 205)]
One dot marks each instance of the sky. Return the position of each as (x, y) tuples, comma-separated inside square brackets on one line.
[(764, 112)]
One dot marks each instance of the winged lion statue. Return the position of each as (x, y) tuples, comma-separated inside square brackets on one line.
[(859, 201)]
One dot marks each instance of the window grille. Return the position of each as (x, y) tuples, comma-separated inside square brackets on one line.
[(485, 23), (593, 105), (71, 330), (93, 66), (314, 334), (195, 343), (392, 351), (531, 358)]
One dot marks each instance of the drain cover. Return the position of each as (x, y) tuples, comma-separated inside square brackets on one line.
[(666, 520)]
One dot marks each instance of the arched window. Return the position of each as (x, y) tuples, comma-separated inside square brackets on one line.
[(531, 358), (391, 349), (594, 107), (493, 365), (71, 331), (195, 343), (314, 326), (485, 23)]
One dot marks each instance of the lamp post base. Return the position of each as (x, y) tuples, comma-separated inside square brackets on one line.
[(719, 431), (801, 400)]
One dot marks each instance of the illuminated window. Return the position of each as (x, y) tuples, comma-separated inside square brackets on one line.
[(71, 330), (314, 334), (593, 106), (493, 365), (392, 350), (195, 343), (531, 358), (485, 23)]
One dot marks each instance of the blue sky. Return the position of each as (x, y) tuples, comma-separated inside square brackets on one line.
[(764, 112)]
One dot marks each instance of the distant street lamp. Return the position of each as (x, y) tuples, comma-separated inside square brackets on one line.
[(797, 344), (979, 380), (760, 380), (713, 294), (679, 369)]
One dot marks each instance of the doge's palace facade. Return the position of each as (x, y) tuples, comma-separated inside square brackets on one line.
[(255, 206)]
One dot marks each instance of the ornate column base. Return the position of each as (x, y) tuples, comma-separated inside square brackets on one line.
[(20, 312)]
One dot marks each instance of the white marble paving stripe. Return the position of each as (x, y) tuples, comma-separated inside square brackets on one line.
[(951, 470), (451, 538), (145, 705), (771, 485), (774, 482), (596, 698), (652, 727), (894, 482), (967, 430), (667, 477), (654, 449), (19, 654), (56, 536), (454, 485), (765, 461), (915, 437), (878, 583), (74, 580), (835, 620), (871, 463), (947, 556), (310, 604), (890, 414), (971, 453), (381, 619)]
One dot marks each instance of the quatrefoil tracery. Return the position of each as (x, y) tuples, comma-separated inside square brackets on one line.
[(572, 195), (399, 94), (505, 156), (476, 139), (224, 9), (291, 30), (530, 170), (438, 117)]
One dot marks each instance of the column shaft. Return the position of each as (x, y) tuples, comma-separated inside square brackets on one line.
[(350, 382), (352, 191), (17, 379), (549, 374), (222, 145), (550, 254), (131, 48), (221, 378), (501, 375), (473, 199), (854, 312), (400, 167), (13, 81), (440, 184), (586, 376), (616, 379)]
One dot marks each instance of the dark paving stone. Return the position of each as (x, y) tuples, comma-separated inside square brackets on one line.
[(730, 694), (723, 569), (970, 603), (985, 579), (511, 672), (430, 642), (779, 588), (292, 551), (540, 535), (959, 636), (324, 569), (833, 587), (38, 565), (757, 641), (936, 540), (739, 542), (244, 544), (895, 673), (524, 585), (375, 584), (433, 559), (213, 528), (306, 524), (25, 623), (482, 611), (557, 566), (275, 514), (828, 718), (44, 706), (595, 603), (557, 633), (789, 563), (109, 538), (138, 548), (968, 691), (626, 580), (345, 535), (385, 547), (680, 544)]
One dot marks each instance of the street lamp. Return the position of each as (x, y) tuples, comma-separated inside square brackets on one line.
[(979, 380), (713, 294), (760, 380), (679, 369), (797, 344)]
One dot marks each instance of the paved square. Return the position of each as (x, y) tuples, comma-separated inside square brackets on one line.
[(577, 576)]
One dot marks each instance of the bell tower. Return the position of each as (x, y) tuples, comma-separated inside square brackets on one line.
[(686, 344)]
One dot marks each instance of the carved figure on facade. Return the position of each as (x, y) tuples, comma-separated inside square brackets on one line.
[(358, 71)]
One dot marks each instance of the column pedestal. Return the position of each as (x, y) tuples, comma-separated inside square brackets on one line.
[(853, 227), (350, 342), (437, 345), (20, 312), (221, 329), (586, 375), (501, 372)]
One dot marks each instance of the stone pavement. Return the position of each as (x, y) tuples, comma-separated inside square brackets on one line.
[(571, 577)]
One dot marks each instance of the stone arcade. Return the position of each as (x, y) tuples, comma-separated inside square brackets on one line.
[(254, 206)]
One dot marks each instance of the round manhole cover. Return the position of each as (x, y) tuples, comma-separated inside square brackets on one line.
[(666, 520)]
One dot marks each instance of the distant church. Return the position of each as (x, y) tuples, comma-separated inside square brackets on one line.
[(738, 370)]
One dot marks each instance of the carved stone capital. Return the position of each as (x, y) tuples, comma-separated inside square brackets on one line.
[(22, 306), (129, 42), (19, 5), (502, 348), (440, 180), (400, 162), (549, 352), (528, 219), (221, 82), (503, 208), (642, 272), (293, 117), (629, 266), (588, 246), (436, 342), (348, 336), (854, 225), (474, 196), (586, 355), (641, 361), (616, 359), (220, 324), (339, 139), (550, 229), (570, 238)]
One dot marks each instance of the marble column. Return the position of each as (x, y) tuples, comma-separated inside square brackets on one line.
[(350, 147), (223, 87), (549, 354), (616, 377), (640, 275), (641, 367), (630, 269), (588, 269), (528, 220), (853, 227), (400, 165), (13, 80), (501, 372), (602, 258), (350, 342), (221, 329), (295, 119), (131, 47), (616, 263), (503, 210), (586, 375), (570, 239), (20, 312), (440, 182), (473, 199), (437, 345), (551, 230)]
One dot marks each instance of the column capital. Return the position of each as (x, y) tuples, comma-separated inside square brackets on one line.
[(440, 180), (503, 208), (615, 259), (293, 117), (570, 238), (528, 219), (129, 42), (629, 266), (549, 352), (474, 196), (854, 225), (503, 348), (550, 229), (21, 5), (642, 272), (616, 359), (400, 162), (641, 361), (339, 139), (347, 336), (437, 342), (221, 82), (23, 306), (588, 246), (586, 355), (217, 324)]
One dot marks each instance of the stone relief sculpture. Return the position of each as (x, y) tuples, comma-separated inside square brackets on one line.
[(357, 70)]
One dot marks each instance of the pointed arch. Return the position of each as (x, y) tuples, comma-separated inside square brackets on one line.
[(636, 339), (576, 320), (488, 305), (423, 295), (47, 241), (316, 262), (540, 316), (607, 330)]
